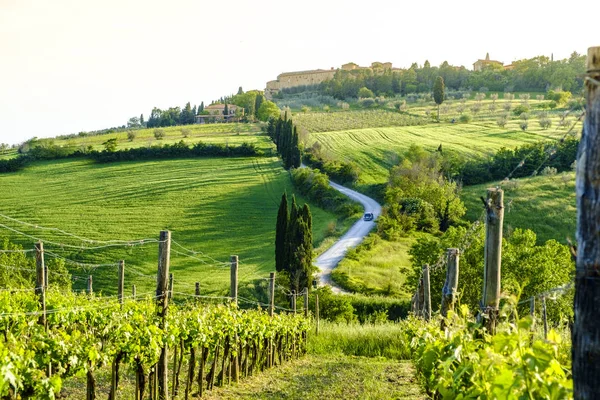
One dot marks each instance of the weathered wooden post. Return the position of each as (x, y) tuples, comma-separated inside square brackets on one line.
[(545, 316), (586, 328), (271, 293), (197, 291), (170, 286), (449, 291), (121, 281), (420, 298), (234, 279), (306, 302), (294, 302), (493, 258), (133, 291), (162, 302), (427, 294), (90, 289), (317, 314), (40, 284)]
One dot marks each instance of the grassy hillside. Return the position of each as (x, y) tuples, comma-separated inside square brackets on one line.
[(217, 206), (230, 133), (545, 204), (375, 150)]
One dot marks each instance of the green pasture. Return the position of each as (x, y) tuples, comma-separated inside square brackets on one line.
[(375, 150), (227, 133), (545, 204), (216, 207)]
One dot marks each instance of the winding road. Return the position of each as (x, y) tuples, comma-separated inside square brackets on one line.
[(352, 238)]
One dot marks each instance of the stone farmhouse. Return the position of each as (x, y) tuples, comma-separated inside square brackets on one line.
[(215, 114), (313, 77), (480, 64)]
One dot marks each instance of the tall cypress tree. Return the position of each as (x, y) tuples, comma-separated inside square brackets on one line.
[(281, 231), (294, 155), (201, 107), (290, 238), (226, 110)]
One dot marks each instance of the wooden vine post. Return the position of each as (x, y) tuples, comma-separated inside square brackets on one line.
[(294, 302), (170, 286), (317, 314), (492, 258), (197, 289), (90, 282), (234, 279), (586, 328), (133, 291), (427, 294), (306, 302), (162, 303), (271, 313), (450, 289), (40, 284), (121, 282)]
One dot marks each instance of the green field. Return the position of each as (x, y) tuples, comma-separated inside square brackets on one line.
[(231, 133), (379, 268), (545, 204), (219, 206), (375, 150)]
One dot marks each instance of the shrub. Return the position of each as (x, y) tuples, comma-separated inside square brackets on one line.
[(524, 116), (185, 132), (131, 135), (502, 120), (364, 92), (545, 123), (507, 105), (366, 102), (520, 109), (464, 118), (549, 171), (159, 134), (552, 105), (523, 125), (305, 109)]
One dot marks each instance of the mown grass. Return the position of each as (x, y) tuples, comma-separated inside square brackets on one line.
[(379, 268), (545, 204), (366, 340), (376, 150), (218, 206), (230, 133)]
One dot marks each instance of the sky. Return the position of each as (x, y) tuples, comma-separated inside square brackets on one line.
[(77, 65)]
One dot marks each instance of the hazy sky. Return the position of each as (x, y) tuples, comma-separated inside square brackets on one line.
[(68, 66)]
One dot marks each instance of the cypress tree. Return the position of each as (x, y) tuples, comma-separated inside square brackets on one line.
[(281, 234), (438, 92), (201, 108), (291, 242), (295, 158), (142, 120), (257, 103), (226, 110)]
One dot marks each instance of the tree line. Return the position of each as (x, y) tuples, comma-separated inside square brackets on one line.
[(294, 243), (284, 134), (537, 74), (171, 116)]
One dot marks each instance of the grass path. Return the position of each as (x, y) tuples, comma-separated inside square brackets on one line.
[(329, 377)]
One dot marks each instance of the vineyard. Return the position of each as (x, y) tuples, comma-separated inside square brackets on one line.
[(83, 333), (336, 121)]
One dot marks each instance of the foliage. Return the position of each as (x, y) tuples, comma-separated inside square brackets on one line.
[(464, 118), (110, 145), (267, 110), (419, 194), (285, 136), (528, 158), (466, 362), (338, 121), (283, 219), (176, 150), (315, 186), (86, 332), (363, 92), (339, 171), (527, 268)]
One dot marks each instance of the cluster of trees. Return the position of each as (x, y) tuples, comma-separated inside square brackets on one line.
[(527, 268), (537, 74), (523, 161), (284, 134), (294, 244), (254, 103), (419, 196), (172, 116), (315, 186), (339, 171)]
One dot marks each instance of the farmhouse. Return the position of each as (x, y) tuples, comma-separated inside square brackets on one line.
[(480, 64), (216, 113), (313, 77)]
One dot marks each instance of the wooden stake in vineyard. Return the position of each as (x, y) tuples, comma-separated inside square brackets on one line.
[(162, 302), (450, 288), (493, 257), (121, 282), (427, 294), (89, 285), (586, 328), (234, 279), (40, 283)]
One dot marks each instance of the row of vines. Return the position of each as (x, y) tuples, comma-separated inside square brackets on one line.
[(86, 333)]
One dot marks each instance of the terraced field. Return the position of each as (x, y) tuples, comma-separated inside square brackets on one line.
[(217, 207), (375, 150)]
